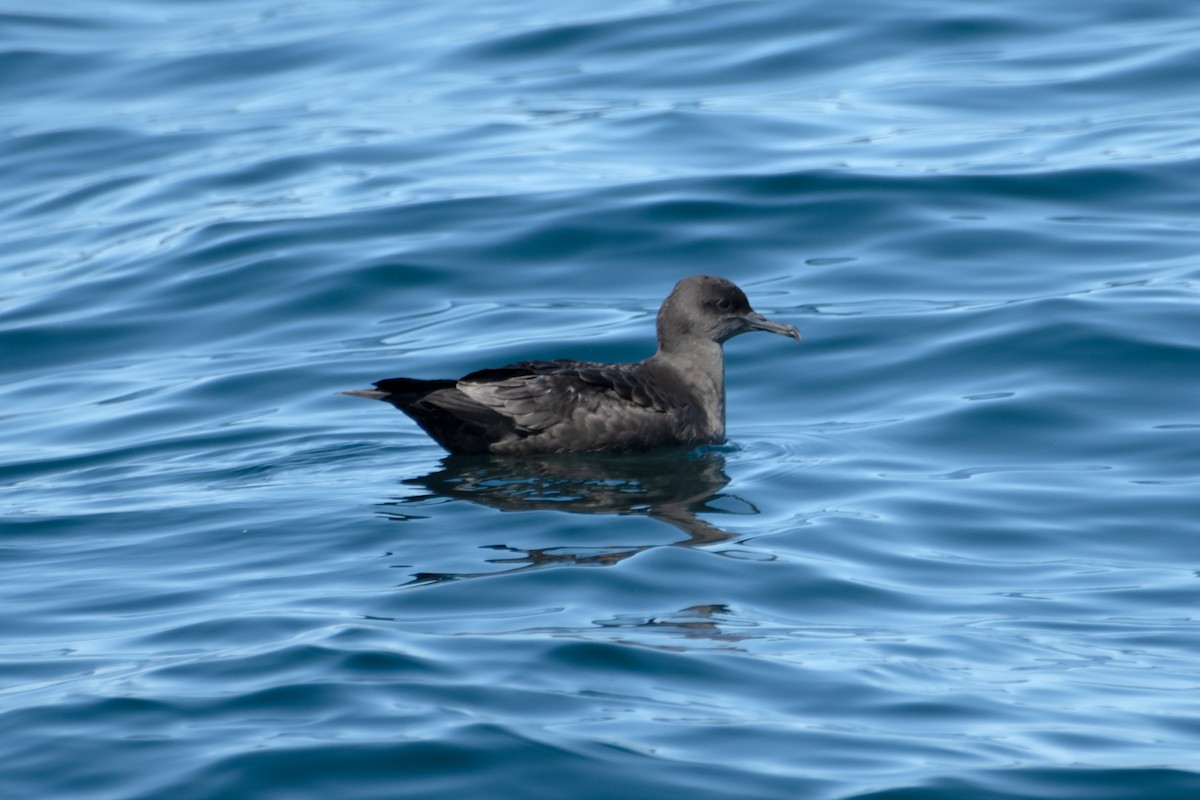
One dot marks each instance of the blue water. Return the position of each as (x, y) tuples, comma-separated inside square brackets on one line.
[(950, 551)]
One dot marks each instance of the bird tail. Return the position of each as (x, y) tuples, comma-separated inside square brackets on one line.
[(370, 394), (401, 392)]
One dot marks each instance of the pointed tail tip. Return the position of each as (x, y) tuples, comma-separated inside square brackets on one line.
[(369, 394)]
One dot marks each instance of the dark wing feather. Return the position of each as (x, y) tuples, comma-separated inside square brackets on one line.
[(549, 406), (412, 387), (629, 384), (540, 394), (454, 420)]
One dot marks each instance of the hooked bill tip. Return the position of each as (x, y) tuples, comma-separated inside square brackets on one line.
[(758, 322)]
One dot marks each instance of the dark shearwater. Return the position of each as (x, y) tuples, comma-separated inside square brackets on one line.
[(675, 397)]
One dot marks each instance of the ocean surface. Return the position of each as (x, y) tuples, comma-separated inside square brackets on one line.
[(951, 550)]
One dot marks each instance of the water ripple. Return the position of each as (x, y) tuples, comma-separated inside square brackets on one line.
[(944, 553)]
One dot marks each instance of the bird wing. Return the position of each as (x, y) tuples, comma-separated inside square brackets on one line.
[(538, 395)]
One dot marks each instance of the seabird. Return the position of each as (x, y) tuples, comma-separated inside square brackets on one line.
[(675, 397)]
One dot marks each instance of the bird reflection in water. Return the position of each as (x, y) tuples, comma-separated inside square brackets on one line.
[(670, 486)]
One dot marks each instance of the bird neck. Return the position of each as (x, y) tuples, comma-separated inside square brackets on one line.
[(700, 365)]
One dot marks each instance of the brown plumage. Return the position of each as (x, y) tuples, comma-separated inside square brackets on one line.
[(675, 397)]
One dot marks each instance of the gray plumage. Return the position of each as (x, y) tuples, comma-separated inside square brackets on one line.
[(675, 397)]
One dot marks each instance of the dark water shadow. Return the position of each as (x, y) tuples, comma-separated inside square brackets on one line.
[(672, 487)]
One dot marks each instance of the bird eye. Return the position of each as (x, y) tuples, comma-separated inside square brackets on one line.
[(724, 304)]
